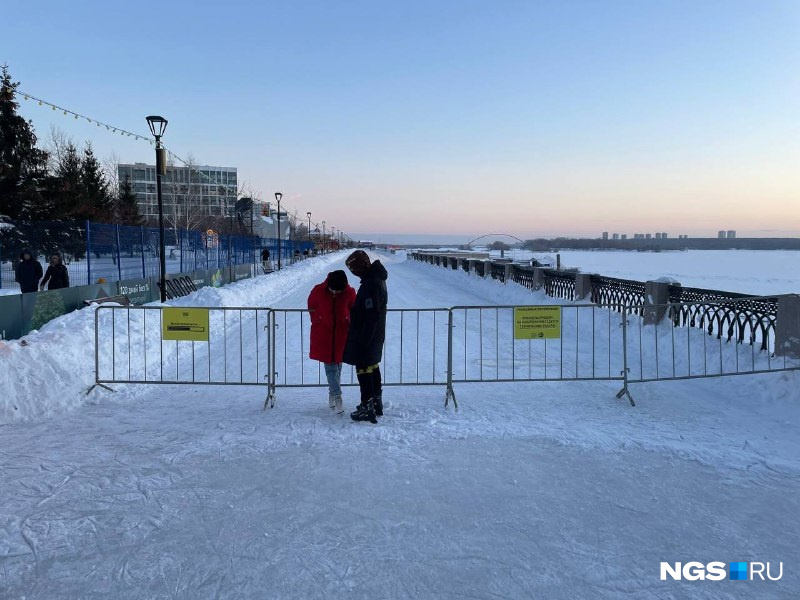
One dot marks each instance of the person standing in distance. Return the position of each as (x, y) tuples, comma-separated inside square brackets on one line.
[(329, 305), (28, 272), (367, 333), (56, 274)]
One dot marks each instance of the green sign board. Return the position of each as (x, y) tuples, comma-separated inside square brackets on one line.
[(537, 322)]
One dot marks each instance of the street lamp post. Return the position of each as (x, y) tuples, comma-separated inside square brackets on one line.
[(158, 125), (309, 233), (278, 197)]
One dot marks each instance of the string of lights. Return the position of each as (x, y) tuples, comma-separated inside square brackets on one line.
[(115, 130), (112, 128)]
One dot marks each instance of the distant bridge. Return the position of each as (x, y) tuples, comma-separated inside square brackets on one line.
[(495, 235)]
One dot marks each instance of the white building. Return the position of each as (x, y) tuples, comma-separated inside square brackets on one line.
[(265, 222), (205, 191)]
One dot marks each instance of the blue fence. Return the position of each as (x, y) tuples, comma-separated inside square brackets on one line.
[(94, 251)]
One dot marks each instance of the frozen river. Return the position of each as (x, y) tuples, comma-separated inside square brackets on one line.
[(758, 272)]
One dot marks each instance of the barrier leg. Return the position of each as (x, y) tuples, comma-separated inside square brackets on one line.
[(270, 399), (450, 395), (625, 391), (94, 385)]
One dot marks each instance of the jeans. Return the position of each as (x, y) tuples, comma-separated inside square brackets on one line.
[(333, 372)]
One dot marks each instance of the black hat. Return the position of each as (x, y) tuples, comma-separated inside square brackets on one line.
[(337, 281), (358, 263)]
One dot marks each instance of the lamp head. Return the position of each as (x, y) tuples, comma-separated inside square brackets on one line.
[(158, 125), (278, 196)]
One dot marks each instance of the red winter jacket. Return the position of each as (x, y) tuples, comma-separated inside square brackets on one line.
[(330, 321)]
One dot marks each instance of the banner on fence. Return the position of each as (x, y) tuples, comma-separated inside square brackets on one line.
[(537, 322), (138, 291)]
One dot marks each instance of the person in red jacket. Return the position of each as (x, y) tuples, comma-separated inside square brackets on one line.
[(329, 305)]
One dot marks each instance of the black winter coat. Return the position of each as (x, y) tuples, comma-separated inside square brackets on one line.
[(28, 274), (58, 277), (367, 332)]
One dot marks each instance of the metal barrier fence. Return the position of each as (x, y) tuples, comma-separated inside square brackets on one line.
[(415, 352), (658, 350), (436, 346), (536, 343), (232, 349)]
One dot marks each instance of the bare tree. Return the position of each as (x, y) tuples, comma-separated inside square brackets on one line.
[(110, 167), (185, 210), (57, 143)]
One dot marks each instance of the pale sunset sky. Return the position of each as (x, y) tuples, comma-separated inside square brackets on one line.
[(446, 117)]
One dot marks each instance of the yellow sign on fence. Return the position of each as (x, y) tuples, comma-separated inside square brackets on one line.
[(537, 322), (186, 324)]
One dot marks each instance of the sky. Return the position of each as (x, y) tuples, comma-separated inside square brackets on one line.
[(454, 118)]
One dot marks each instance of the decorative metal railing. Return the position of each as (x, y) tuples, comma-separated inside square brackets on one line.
[(559, 284), (730, 315), (726, 315), (522, 276), (617, 293), (498, 271)]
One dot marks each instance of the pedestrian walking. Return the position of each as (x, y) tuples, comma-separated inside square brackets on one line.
[(266, 266), (329, 305), (56, 276), (28, 272), (365, 339)]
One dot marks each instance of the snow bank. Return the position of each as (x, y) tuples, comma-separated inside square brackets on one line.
[(50, 370)]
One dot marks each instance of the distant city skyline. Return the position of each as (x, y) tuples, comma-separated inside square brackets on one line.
[(453, 117), (446, 238)]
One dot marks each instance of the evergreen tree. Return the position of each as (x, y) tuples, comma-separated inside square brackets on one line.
[(23, 166), (128, 205), (66, 186), (95, 202)]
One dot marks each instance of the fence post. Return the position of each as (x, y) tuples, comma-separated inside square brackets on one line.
[(144, 269), (538, 278), (88, 253), (583, 286), (450, 394), (787, 326), (471, 263), (119, 254), (509, 272), (180, 248), (656, 300)]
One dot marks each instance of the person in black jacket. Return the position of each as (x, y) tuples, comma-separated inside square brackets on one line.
[(28, 272), (367, 332), (56, 274)]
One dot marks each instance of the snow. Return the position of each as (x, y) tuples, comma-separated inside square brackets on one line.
[(547, 489), (757, 272)]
